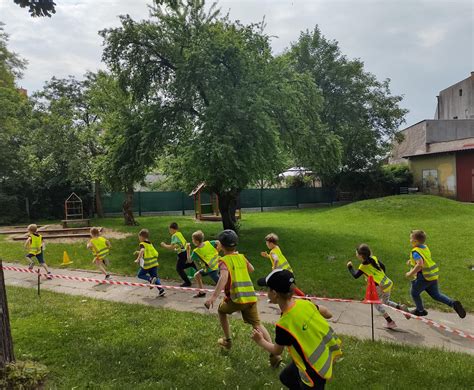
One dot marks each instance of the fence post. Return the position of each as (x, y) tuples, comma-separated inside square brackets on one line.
[(6, 342), (139, 204), (261, 199), (297, 198), (182, 202)]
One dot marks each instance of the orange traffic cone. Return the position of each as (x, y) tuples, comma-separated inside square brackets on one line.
[(66, 259), (371, 295)]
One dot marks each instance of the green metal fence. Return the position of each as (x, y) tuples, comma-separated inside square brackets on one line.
[(177, 201)]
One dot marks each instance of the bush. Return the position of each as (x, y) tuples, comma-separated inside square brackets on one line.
[(10, 206), (381, 181), (23, 376)]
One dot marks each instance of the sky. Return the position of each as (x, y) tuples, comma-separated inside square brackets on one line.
[(422, 46)]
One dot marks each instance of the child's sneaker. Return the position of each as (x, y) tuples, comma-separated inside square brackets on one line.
[(225, 343), (275, 360), (200, 294), (390, 325), (108, 277), (152, 281), (48, 276), (457, 306), (31, 265), (419, 313), (161, 292)]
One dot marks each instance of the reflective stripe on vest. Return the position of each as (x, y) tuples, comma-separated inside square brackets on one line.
[(379, 276), (182, 241), (241, 286), (150, 257), (36, 244), (282, 261), (315, 337), (430, 269), (208, 255), (99, 248)]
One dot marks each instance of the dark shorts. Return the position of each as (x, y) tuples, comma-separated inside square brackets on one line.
[(214, 275), (39, 256)]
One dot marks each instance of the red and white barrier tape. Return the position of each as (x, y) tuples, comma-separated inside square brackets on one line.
[(435, 324), (262, 294)]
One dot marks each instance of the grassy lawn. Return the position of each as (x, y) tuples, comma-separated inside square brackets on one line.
[(93, 344), (318, 243)]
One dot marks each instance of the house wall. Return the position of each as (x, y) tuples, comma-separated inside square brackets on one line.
[(465, 176), (440, 173), (414, 142), (454, 104)]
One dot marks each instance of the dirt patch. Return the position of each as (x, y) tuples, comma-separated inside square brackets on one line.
[(106, 232)]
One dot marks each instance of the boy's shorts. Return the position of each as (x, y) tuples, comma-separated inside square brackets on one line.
[(249, 311), (214, 275), (39, 256)]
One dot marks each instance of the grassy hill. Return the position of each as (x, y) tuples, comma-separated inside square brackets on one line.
[(318, 243)]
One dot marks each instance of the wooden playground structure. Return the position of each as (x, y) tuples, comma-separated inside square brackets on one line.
[(208, 211)]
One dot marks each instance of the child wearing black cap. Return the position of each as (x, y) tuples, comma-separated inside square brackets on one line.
[(303, 329), (239, 291)]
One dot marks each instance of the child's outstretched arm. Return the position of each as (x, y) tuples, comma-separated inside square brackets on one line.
[(325, 312), (141, 252), (223, 277), (274, 349), (168, 246), (27, 243), (356, 274), (250, 267), (109, 245)]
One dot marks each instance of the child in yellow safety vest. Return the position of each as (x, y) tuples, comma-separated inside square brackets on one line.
[(35, 246), (277, 258), (371, 266), (100, 247), (205, 254), (179, 245), (425, 273), (303, 329), (239, 291), (147, 258)]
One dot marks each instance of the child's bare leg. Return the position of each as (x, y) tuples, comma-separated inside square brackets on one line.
[(45, 267), (225, 324), (101, 266), (198, 279)]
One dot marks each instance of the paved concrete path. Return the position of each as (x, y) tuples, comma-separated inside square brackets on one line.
[(348, 318)]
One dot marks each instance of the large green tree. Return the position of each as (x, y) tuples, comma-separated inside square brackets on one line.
[(357, 107), (230, 112)]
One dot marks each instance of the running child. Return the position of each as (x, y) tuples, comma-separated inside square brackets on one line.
[(303, 329), (206, 255), (179, 245), (371, 266), (100, 247), (147, 258), (239, 292), (35, 246), (425, 273), (277, 258)]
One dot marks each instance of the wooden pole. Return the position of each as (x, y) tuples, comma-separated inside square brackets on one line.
[(39, 282), (6, 342), (372, 315)]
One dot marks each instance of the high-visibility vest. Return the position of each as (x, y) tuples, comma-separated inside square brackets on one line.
[(208, 255), (319, 344), (36, 245), (241, 286), (379, 276), (150, 257), (100, 248), (430, 269), (282, 261), (182, 242)]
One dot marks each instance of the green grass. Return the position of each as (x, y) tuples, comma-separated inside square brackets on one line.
[(318, 243), (94, 344)]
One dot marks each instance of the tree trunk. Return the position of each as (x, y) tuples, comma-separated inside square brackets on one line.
[(6, 342), (227, 208), (98, 200), (127, 206)]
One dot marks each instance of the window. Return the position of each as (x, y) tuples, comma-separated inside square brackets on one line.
[(430, 180), (460, 92)]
